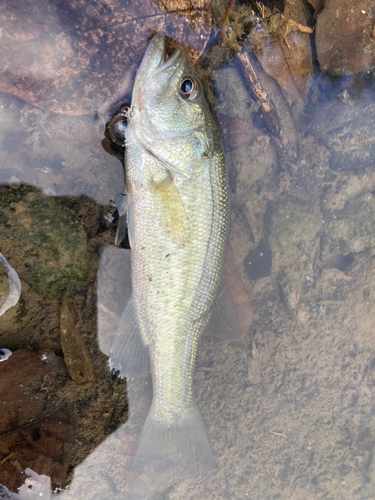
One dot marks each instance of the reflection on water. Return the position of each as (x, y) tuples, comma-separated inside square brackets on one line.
[(288, 407)]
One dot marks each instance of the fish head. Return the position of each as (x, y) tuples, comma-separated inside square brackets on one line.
[(169, 106)]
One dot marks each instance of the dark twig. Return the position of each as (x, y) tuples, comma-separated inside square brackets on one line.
[(226, 17), (269, 114)]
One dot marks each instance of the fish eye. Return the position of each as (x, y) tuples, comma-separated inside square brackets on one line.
[(189, 88)]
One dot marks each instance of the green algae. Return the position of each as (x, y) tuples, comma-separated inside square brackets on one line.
[(46, 239)]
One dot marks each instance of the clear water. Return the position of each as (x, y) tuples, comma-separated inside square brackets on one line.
[(289, 406)]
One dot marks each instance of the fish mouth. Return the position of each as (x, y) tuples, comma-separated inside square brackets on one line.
[(165, 63), (155, 60), (155, 65)]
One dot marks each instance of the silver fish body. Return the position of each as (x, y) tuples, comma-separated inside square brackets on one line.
[(177, 221)]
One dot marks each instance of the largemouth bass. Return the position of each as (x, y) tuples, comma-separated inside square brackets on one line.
[(177, 212)]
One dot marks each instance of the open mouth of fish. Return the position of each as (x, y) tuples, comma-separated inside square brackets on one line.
[(168, 60), (157, 60)]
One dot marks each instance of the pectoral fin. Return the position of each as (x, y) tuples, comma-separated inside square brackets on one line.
[(172, 210)]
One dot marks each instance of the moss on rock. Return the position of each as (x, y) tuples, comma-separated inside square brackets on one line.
[(45, 238)]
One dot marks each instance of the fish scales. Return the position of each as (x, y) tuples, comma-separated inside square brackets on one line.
[(178, 218)]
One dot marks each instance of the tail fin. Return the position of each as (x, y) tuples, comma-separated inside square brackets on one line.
[(168, 451), (129, 353)]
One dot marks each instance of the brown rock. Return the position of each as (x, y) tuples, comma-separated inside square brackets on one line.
[(79, 57), (317, 5), (30, 435), (236, 132), (344, 40)]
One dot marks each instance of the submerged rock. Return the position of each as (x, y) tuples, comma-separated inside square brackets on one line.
[(44, 240), (34, 432), (346, 130), (75, 58), (352, 228), (292, 223), (345, 42)]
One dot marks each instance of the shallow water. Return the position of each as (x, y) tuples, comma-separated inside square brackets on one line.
[(288, 406)]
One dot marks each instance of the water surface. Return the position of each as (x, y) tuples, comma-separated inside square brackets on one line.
[(288, 406)]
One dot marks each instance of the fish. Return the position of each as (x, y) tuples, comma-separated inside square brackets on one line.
[(177, 214)]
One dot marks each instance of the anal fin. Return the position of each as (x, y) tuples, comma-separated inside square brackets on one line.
[(224, 323)]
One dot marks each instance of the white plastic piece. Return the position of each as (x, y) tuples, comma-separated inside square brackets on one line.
[(4, 354), (36, 487), (14, 287)]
